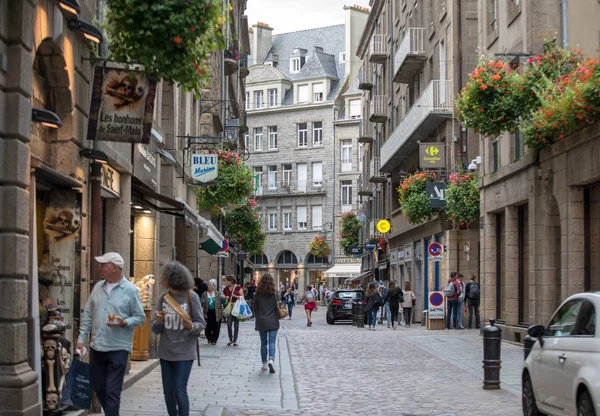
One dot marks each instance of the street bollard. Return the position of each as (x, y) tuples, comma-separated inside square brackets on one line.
[(360, 322), (492, 339), (354, 314), (528, 343)]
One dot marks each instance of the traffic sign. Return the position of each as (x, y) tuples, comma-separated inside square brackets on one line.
[(435, 249), (225, 246), (383, 226), (436, 305)]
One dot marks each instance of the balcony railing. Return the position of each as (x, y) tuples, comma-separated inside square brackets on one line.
[(366, 132), (366, 82), (433, 106), (364, 187), (375, 175), (281, 188), (410, 56), (379, 109), (378, 49)]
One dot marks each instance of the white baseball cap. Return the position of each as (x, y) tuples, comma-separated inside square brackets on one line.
[(111, 257)]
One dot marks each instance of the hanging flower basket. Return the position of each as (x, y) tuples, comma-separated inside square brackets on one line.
[(244, 227), (319, 247), (350, 226), (414, 200), (230, 62), (462, 200)]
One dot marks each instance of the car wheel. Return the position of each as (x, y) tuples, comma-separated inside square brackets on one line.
[(330, 320), (585, 406), (529, 405)]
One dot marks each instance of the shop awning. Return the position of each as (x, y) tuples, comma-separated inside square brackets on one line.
[(212, 239), (343, 270)]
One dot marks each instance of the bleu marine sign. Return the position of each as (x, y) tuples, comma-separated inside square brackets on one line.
[(205, 167)]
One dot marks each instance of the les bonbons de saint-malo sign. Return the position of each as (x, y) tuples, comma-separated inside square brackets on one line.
[(122, 106)]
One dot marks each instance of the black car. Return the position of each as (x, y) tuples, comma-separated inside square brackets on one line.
[(340, 306)]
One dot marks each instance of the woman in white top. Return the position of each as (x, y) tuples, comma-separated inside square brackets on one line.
[(409, 302)]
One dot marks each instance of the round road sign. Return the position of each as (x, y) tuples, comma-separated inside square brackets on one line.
[(436, 299), (435, 249), (225, 246)]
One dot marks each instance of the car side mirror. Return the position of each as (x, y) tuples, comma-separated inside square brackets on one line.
[(537, 331)]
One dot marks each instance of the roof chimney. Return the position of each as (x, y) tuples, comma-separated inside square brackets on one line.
[(262, 42)]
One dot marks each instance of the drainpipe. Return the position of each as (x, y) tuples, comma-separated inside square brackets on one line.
[(333, 186), (564, 23), (462, 140)]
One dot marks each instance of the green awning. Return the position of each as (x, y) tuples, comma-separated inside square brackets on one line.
[(212, 239), (210, 246)]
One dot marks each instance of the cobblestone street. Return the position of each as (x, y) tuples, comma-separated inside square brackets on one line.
[(342, 370)]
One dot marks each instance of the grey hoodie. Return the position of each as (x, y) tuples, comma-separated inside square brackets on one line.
[(176, 342)]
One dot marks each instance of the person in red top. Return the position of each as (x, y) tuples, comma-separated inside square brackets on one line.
[(452, 301), (231, 293)]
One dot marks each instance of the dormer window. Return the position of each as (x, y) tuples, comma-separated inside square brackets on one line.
[(318, 93), (295, 65)]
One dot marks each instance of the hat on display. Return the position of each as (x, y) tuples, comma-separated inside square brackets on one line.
[(111, 257)]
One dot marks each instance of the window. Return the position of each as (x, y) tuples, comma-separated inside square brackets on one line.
[(302, 94), (295, 65), (346, 155), (272, 221), (246, 140), (346, 196), (318, 133), (258, 99), (301, 218), (258, 174), (317, 173), (272, 177), (287, 175), (317, 217), (493, 14), (563, 322), (342, 57), (247, 100), (495, 160), (355, 110), (273, 98), (272, 137), (287, 219), (258, 138), (318, 92), (302, 135)]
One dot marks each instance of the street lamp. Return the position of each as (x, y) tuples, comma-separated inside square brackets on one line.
[(232, 130)]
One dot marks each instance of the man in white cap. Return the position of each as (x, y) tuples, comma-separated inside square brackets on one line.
[(113, 309)]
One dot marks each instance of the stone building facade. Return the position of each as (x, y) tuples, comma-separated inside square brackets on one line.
[(539, 210), (299, 96), (415, 55), (64, 198)]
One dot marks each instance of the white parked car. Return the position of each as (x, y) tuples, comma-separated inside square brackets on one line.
[(561, 375)]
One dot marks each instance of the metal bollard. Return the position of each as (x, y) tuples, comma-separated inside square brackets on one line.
[(360, 323), (492, 341), (528, 343), (354, 314)]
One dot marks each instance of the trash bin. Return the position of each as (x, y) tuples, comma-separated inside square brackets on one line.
[(359, 315), (354, 314)]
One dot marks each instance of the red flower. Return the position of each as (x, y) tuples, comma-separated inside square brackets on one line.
[(483, 87), (177, 40), (193, 29)]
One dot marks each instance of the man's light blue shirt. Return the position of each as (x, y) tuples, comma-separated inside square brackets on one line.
[(124, 301)]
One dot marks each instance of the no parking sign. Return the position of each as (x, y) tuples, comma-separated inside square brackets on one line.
[(436, 305)]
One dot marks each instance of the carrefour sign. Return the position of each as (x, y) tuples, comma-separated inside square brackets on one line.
[(205, 167)]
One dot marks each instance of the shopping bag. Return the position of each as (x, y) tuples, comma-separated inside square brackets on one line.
[(237, 308), (78, 388), (227, 310), (245, 311)]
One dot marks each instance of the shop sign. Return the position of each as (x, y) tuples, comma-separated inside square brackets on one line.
[(122, 106), (361, 217), (241, 256), (111, 182), (356, 251), (436, 305), (435, 192), (205, 167), (347, 260), (383, 226), (432, 155), (145, 162)]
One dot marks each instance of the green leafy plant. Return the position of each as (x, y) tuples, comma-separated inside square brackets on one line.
[(319, 247), (235, 183), (170, 38), (350, 227), (244, 227), (462, 200), (413, 198)]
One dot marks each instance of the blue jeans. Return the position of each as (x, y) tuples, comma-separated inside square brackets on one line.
[(290, 308), (268, 339), (372, 317), (108, 372), (451, 321), (388, 313), (175, 375), (460, 313)]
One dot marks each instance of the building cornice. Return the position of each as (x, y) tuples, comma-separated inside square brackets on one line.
[(369, 28), (290, 108)]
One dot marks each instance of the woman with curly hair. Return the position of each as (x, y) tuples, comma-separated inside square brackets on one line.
[(266, 322), (231, 293), (178, 318)]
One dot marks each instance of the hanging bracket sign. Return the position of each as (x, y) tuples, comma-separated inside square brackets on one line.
[(205, 167)]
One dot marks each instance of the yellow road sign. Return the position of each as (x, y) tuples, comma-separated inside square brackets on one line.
[(383, 226)]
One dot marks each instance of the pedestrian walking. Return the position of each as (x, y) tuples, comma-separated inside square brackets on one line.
[(178, 319), (393, 298), (410, 300), (251, 290), (231, 293), (461, 299), (374, 302), (213, 312), (472, 294), (310, 304), (112, 311), (452, 291), (266, 322), (290, 301), (200, 287)]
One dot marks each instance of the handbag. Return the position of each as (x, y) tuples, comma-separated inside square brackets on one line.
[(281, 310), (227, 310)]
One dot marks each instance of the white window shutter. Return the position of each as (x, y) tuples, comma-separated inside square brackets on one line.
[(303, 94), (317, 216), (317, 173), (301, 214)]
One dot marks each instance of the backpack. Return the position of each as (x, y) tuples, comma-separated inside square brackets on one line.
[(377, 301), (310, 297), (449, 289), (474, 291)]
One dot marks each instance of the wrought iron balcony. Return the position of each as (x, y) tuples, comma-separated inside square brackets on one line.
[(375, 175), (378, 49), (410, 56), (364, 187), (433, 106), (282, 188), (366, 81), (379, 109)]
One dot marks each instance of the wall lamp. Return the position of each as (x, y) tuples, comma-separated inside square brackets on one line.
[(70, 6), (95, 155), (47, 118), (90, 32)]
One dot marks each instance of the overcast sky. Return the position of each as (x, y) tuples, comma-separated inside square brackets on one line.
[(292, 15)]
